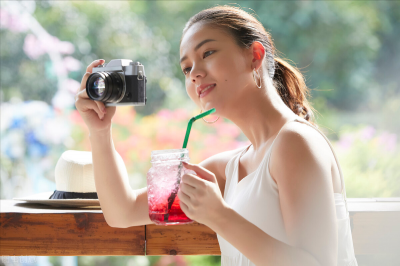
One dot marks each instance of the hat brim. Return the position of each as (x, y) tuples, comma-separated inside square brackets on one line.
[(43, 198)]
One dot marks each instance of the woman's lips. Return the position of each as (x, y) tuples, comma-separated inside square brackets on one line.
[(205, 93)]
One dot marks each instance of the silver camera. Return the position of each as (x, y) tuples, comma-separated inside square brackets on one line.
[(120, 82)]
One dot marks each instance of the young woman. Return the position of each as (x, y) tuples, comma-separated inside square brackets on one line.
[(280, 200)]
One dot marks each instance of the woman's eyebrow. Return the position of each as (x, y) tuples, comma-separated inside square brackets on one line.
[(197, 48)]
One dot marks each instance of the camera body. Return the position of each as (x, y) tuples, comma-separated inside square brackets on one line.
[(118, 83)]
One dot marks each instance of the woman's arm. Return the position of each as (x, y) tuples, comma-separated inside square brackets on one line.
[(111, 178), (259, 247), (302, 170), (121, 206), (301, 166)]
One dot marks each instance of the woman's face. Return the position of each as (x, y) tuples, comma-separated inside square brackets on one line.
[(211, 56)]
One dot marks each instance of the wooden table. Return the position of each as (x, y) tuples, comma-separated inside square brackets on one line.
[(39, 230)]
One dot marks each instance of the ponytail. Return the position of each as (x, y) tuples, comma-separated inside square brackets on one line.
[(293, 90)]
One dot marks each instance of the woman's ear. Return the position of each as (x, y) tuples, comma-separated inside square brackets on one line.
[(258, 54)]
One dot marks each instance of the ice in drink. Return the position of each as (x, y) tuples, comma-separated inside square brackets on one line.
[(163, 187)]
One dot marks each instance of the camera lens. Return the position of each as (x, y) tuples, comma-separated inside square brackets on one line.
[(98, 87), (105, 87)]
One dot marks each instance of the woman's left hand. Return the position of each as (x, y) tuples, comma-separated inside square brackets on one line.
[(200, 196)]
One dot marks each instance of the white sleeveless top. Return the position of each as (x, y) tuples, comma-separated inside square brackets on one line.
[(258, 191)]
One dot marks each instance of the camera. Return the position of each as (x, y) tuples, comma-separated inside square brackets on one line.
[(118, 83)]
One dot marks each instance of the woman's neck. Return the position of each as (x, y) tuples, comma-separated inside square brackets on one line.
[(260, 116)]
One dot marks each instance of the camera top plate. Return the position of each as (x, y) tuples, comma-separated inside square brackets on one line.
[(125, 65)]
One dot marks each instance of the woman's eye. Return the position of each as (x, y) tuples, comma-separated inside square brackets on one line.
[(208, 52), (184, 71)]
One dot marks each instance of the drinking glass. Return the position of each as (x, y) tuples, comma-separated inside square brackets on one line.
[(163, 180)]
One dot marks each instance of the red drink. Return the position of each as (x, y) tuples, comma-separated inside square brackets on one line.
[(163, 181)]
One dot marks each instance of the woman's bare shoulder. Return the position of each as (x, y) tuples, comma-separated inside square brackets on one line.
[(304, 145), (299, 131)]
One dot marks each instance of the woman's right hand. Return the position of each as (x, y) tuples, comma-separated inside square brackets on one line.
[(94, 113)]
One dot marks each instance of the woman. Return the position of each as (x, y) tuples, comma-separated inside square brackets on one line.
[(276, 202)]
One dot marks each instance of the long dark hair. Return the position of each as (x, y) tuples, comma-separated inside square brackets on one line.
[(246, 29)]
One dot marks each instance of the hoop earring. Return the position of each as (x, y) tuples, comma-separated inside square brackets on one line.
[(255, 73), (208, 121)]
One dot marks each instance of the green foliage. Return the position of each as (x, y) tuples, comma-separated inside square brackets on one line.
[(346, 50), (370, 161), (204, 260)]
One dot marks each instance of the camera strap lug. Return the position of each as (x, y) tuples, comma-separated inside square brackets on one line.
[(140, 75)]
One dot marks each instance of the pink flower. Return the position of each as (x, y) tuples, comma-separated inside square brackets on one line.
[(346, 141), (32, 47), (170, 138), (125, 116), (367, 133), (388, 141), (76, 118), (71, 85), (51, 43), (133, 141), (181, 114), (171, 260), (65, 47), (71, 64), (59, 68), (11, 22), (164, 114)]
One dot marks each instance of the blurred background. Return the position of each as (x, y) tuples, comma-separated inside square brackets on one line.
[(348, 52)]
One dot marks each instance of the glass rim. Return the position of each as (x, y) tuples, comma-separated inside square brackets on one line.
[(169, 151)]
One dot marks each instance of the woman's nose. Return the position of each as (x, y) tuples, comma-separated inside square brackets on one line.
[(196, 73)]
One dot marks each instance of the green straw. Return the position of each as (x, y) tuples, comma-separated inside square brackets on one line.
[(189, 127)]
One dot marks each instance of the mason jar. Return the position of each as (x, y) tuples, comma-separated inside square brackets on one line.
[(163, 185)]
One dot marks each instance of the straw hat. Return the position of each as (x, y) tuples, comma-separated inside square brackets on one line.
[(75, 186)]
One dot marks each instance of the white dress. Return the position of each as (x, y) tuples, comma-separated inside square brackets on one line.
[(258, 191)]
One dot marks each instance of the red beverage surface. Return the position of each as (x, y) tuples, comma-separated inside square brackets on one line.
[(176, 215)]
